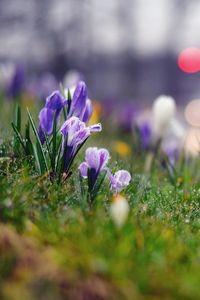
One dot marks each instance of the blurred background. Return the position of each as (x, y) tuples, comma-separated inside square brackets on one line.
[(123, 49)]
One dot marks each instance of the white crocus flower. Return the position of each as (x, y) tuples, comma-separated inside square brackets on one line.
[(119, 210), (71, 78), (6, 73), (71, 90), (177, 129), (164, 109)]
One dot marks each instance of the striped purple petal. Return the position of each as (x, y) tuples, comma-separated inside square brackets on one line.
[(119, 180), (46, 117), (83, 168), (96, 128), (88, 111), (79, 100), (92, 158), (55, 102)]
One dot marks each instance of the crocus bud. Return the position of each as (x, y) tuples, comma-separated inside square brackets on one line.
[(78, 100), (119, 210), (95, 161), (87, 112), (119, 180), (74, 134), (54, 104), (164, 109), (17, 82)]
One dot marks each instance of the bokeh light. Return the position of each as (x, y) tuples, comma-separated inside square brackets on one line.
[(192, 114), (189, 60), (192, 141)]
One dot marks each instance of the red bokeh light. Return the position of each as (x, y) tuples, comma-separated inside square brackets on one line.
[(189, 60)]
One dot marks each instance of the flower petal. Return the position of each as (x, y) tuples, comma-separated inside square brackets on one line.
[(95, 127), (55, 102), (70, 125), (80, 137), (88, 111), (41, 135), (123, 177), (92, 158), (79, 99), (104, 157), (120, 180), (83, 168), (46, 117), (111, 177)]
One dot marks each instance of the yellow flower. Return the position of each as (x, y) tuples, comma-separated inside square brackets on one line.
[(122, 148), (96, 113), (179, 180), (27, 100)]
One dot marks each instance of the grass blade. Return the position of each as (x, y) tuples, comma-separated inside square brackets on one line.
[(69, 101), (28, 142), (59, 148), (37, 161), (18, 136), (40, 151), (18, 118), (54, 143), (17, 123)]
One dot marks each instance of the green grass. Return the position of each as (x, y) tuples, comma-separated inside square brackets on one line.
[(51, 247)]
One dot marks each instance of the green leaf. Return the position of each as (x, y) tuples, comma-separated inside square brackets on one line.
[(17, 123), (62, 164), (93, 190), (69, 101), (37, 160), (18, 118), (54, 148), (28, 142), (18, 136), (98, 184), (47, 145), (65, 113), (76, 152), (40, 152), (58, 150)]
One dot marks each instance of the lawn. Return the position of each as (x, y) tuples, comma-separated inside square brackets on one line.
[(54, 245)]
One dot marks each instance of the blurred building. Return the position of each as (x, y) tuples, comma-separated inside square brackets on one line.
[(125, 48)]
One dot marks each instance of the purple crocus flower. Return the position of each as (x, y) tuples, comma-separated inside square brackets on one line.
[(75, 133), (54, 105), (126, 114), (55, 102), (46, 117), (78, 101), (87, 113), (145, 133), (119, 180), (172, 150), (17, 82), (80, 105), (95, 162), (42, 86)]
